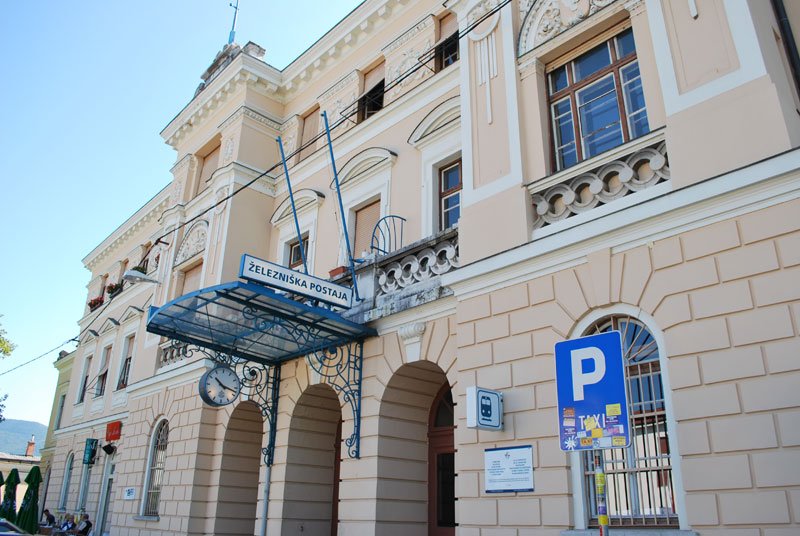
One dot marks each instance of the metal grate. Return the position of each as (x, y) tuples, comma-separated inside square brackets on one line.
[(156, 476), (638, 478)]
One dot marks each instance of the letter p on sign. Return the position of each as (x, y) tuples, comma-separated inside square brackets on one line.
[(581, 379)]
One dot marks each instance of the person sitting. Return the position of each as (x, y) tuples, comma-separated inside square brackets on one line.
[(66, 527), (84, 526), (49, 519)]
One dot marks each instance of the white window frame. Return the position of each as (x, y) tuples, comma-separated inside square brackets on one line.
[(83, 380), (126, 350), (579, 490), (83, 492), (438, 139), (149, 466), (69, 467), (307, 202)]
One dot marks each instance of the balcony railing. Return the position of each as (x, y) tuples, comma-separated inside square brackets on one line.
[(627, 169), (171, 352)]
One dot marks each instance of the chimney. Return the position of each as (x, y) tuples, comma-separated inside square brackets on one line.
[(31, 447)]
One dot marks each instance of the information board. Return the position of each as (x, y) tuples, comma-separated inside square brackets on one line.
[(508, 469)]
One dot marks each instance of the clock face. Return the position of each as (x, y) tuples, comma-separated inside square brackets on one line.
[(219, 386)]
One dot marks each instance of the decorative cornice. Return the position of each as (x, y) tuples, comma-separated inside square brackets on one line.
[(305, 200), (147, 214), (346, 81), (193, 243), (543, 20), (363, 165), (404, 38), (246, 111)]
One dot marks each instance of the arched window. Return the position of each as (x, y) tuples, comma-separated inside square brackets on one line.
[(155, 471), (62, 502), (639, 480)]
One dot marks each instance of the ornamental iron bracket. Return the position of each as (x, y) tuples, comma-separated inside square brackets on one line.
[(341, 368), (260, 382)]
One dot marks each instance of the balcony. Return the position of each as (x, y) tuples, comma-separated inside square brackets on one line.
[(171, 352), (404, 278), (627, 170)]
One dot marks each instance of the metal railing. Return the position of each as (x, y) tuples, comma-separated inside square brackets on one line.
[(387, 235)]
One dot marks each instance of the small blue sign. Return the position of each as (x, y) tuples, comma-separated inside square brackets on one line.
[(592, 396), (484, 409)]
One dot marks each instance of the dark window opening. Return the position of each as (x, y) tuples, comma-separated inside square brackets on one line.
[(371, 103), (447, 52)]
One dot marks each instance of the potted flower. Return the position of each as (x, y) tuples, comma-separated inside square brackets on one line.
[(140, 269), (113, 289), (94, 303)]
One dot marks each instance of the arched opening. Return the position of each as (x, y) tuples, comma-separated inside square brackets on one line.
[(415, 492), (237, 502), (311, 490)]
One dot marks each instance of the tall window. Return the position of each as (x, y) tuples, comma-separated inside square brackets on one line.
[(60, 411), (210, 165), (310, 130), (295, 258), (125, 369), (639, 488), (85, 382), (155, 473), (84, 491), (102, 376), (447, 47), (449, 195), (596, 101), (62, 502), (366, 219), (371, 101)]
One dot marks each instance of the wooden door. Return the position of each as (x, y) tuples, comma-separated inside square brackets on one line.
[(441, 466)]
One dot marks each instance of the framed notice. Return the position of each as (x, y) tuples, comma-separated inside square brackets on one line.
[(129, 494), (508, 469)]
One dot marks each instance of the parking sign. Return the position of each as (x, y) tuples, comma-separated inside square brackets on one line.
[(592, 399)]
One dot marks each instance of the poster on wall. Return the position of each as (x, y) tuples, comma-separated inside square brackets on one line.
[(508, 469)]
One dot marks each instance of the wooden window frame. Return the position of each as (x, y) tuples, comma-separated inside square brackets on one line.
[(294, 244), (573, 88), (446, 194)]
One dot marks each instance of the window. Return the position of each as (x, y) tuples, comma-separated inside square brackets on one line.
[(84, 491), (85, 383), (295, 257), (371, 101), (62, 502), (310, 130), (366, 219), (192, 278), (447, 49), (125, 369), (596, 101), (639, 485), (210, 165), (449, 195), (60, 411), (155, 473), (102, 376)]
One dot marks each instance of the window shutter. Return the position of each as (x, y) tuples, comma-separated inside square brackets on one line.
[(373, 77), (210, 165), (310, 129), (448, 25), (191, 279), (366, 218)]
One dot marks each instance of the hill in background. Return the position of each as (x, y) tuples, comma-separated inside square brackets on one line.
[(15, 434)]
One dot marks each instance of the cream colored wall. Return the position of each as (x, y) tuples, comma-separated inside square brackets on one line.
[(724, 297)]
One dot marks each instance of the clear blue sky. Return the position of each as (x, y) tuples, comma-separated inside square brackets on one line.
[(85, 89)]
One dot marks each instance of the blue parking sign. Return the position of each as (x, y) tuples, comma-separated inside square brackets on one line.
[(592, 398)]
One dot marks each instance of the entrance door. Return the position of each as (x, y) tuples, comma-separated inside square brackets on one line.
[(441, 466), (103, 526)]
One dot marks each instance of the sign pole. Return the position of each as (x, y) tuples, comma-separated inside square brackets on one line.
[(600, 492), (294, 209)]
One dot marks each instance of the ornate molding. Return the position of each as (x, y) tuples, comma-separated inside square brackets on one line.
[(410, 59), (481, 9), (258, 117), (443, 115), (348, 80), (411, 335), (193, 243), (609, 181), (404, 38), (546, 19), (305, 200), (418, 267), (364, 165)]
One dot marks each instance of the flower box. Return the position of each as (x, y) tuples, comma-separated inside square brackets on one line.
[(94, 303), (338, 272), (113, 289)]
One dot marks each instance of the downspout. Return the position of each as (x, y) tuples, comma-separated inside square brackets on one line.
[(788, 41), (268, 479)]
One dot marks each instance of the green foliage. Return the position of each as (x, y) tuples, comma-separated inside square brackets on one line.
[(6, 346)]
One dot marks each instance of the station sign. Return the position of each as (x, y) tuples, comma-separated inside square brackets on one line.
[(592, 395), (484, 409), (283, 278)]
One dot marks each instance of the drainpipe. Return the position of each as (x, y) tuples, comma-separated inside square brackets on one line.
[(268, 478), (788, 41)]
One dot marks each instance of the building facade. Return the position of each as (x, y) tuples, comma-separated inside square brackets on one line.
[(512, 174)]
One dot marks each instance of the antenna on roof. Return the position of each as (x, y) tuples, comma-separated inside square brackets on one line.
[(233, 26)]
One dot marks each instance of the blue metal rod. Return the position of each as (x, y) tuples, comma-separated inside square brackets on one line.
[(341, 207), (294, 209)]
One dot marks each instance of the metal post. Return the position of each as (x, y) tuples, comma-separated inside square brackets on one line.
[(341, 207), (294, 209), (600, 493), (267, 477)]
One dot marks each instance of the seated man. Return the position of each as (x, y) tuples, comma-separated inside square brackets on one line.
[(83, 527), (49, 519), (66, 527)]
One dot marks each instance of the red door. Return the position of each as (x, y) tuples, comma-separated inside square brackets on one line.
[(441, 466)]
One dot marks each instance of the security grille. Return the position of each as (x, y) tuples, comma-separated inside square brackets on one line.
[(156, 476), (639, 488)]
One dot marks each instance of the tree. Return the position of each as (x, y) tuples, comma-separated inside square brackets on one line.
[(6, 346)]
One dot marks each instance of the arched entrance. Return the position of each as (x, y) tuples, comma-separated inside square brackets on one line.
[(237, 502), (415, 493), (311, 490)]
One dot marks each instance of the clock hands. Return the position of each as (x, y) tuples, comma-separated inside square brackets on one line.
[(225, 386)]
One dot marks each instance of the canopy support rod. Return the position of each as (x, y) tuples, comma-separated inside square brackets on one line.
[(294, 208), (341, 207)]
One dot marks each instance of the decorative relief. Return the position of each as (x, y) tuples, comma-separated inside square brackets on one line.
[(227, 151), (481, 9), (342, 84), (410, 59), (643, 169), (411, 335), (181, 172), (486, 60), (193, 243), (548, 18), (421, 266), (424, 24)]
